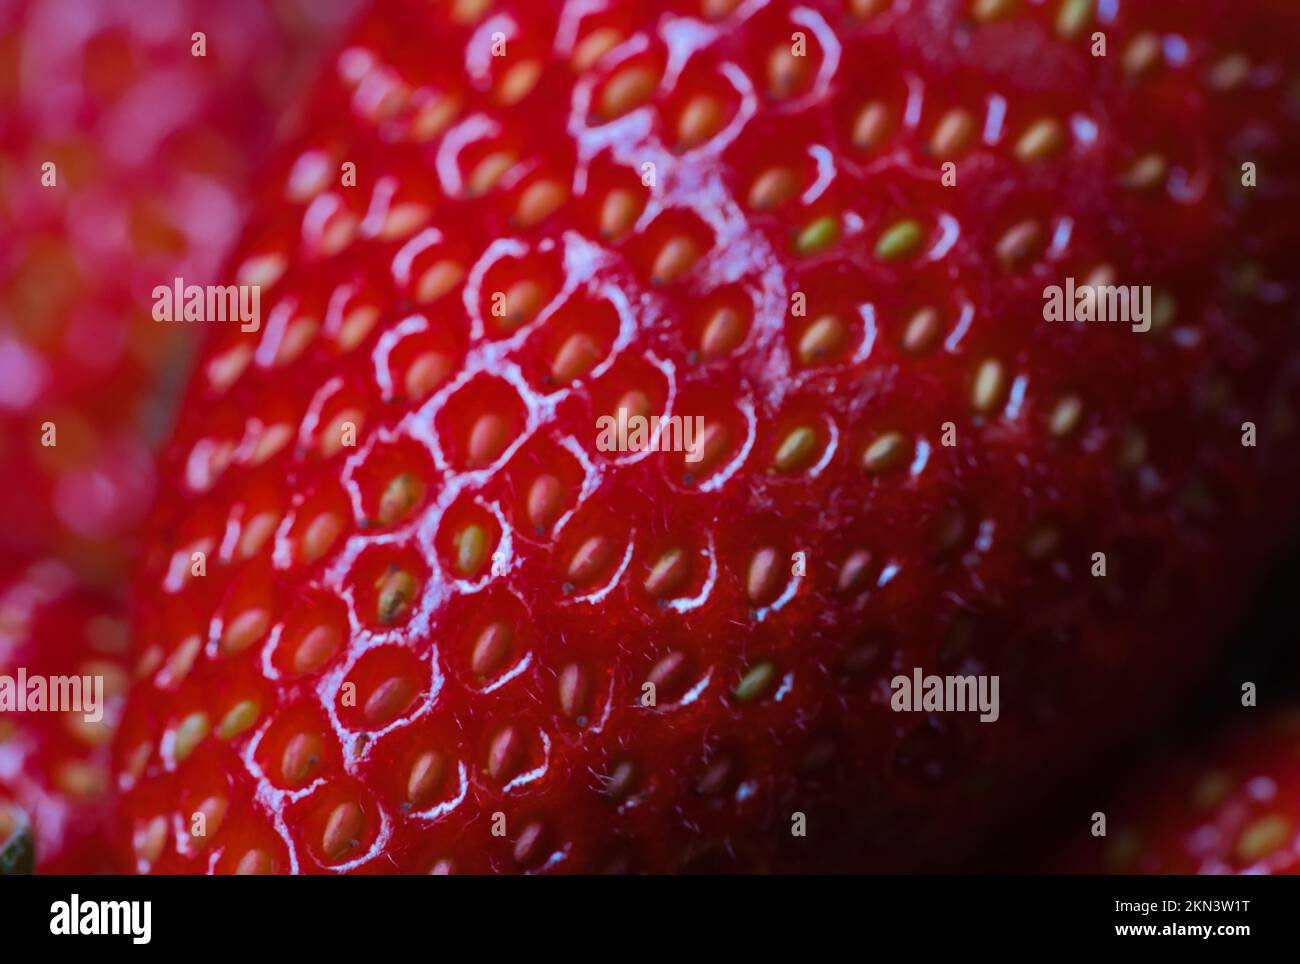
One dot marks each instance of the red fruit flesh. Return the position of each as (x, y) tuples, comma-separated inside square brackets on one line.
[(54, 758), (429, 610)]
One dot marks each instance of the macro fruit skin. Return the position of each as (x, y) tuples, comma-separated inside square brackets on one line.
[(54, 765), (400, 611), (1225, 805)]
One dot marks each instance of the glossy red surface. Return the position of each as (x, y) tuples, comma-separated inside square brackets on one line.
[(402, 645)]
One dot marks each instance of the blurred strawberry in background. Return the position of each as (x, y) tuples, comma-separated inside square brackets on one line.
[(54, 765), (126, 137)]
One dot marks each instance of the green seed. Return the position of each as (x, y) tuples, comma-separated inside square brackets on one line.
[(899, 241), (1073, 16), (241, 716), (755, 683), (818, 236)]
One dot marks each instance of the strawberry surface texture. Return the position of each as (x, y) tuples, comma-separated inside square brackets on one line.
[(413, 601), (1226, 805)]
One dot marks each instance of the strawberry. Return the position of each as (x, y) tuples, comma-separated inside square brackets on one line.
[(54, 760), (150, 144), (1230, 804), (403, 610)]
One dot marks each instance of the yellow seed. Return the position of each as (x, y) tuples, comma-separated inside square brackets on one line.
[(922, 331), (238, 719), (1073, 17), (854, 570), (987, 11), (764, 572), (723, 332), (871, 126), (545, 499), (885, 453), (396, 589), (425, 778), (668, 573), (468, 11), (425, 374), (575, 357), (990, 384), (590, 559), (402, 494), (717, 9), (785, 72), (1142, 55), (189, 734), (619, 780), (432, 115), (866, 9), (1230, 72), (1040, 140), (795, 449), (440, 278), (539, 200), (244, 630), (1065, 416), (254, 862), (523, 299), (618, 213), (1042, 543), (823, 339), (301, 754), (626, 90), (319, 536), (315, 649), (471, 549), (772, 188), (487, 439), (1262, 838), (518, 82), (575, 688), (677, 254), (504, 753), (488, 172), (1019, 244), (341, 830), (491, 649), (594, 46), (699, 121), (388, 699), (952, 134), (1146, 173)]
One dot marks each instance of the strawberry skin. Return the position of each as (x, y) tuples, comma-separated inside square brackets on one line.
[(402, 613), (1230, 805), (54, 766)]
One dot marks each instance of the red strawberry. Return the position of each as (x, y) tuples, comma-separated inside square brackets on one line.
[(151, 146), (403, 613), (1230, 805), (54, 761)]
